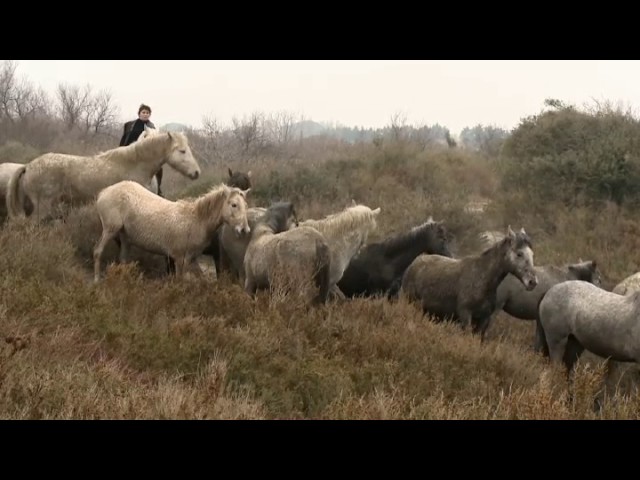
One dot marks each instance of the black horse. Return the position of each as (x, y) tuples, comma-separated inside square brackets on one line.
[(236, 179), (379, 266)]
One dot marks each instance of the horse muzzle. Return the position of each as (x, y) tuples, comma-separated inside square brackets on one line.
[(530, 282), (240, 230), (194, 175)]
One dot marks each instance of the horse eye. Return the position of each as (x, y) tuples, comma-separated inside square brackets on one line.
[(182, 151), (234, 205), (520, 254)]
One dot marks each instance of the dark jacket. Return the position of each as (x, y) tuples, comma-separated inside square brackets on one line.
[(132, 131)]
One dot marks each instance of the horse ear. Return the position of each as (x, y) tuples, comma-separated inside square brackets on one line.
[(430, 219), (594, 264), (230, 172), (510, 233), (245, 192), (169, 135), (353, 202), (522, 231), (580, 260), (376, 211), (249, 174)]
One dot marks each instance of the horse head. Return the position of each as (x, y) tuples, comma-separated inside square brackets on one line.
[(519, 257), (180, 156)]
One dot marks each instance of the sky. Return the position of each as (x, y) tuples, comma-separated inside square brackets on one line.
[(353, 93)]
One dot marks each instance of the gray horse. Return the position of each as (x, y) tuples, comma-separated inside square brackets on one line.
[(233, 247), (517, 301), (577, 315), (465, 289)]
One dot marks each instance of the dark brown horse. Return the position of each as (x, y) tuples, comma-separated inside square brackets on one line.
[(380, 265)]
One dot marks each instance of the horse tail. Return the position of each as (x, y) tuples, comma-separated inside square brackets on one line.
[(15, 194), (323, 270), (540, 345)]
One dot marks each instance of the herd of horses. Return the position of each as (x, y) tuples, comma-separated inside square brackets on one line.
[(260, 246)]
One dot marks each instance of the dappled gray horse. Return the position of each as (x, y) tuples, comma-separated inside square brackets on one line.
[(465, 289), (577, 315), (628, 285), (517, 301)]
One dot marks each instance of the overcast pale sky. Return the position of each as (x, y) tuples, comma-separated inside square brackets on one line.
[(353, 93)]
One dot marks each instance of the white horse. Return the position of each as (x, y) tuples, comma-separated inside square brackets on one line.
[(6, 171), (146, 133), (180, 230), (54, 178), (346, 232)]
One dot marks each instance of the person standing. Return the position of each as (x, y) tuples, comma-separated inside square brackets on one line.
[(134, 128)]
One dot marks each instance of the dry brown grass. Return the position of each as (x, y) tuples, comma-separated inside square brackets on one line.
[(141, 345)]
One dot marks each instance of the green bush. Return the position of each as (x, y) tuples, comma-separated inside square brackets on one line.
[(577, 157)]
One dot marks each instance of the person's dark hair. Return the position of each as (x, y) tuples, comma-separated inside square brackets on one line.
[(144, 107)]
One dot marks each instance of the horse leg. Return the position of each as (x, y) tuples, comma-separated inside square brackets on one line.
[(482, 325), (465, 318), (195, 267), (170, 264), (124, 247), (250, 285), (611, 367), (572, 352), (42, 210), (336, 294), (180, 263), (224, 262), (557, 347), (215, 249), (540, 344), (97, 251)]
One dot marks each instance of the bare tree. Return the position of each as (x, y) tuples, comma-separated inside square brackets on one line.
[(19, 99), (29, 101), (422, 136), (210, 126), (249, 132), (398, 125), (280, 126), (73, 105), (7, 88), (102, 112)]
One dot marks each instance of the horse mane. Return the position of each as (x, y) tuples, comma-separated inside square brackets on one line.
[(521, 240), (209, 204), (403, 240), (346, 221), (129, 153)]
